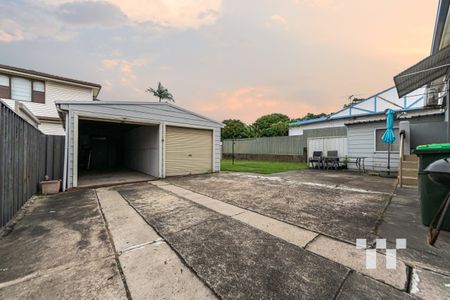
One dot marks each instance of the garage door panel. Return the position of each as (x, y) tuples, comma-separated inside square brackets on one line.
[(188, 151)]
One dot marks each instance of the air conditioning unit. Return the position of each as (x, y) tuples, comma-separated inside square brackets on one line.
[(433, 97)]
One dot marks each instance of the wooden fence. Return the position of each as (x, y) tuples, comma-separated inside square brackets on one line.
[(26, 156)]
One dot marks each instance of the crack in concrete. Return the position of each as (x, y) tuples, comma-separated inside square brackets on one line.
[(140, 246), (342, 284)]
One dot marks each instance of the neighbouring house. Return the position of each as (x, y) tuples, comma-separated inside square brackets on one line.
[(36, 92), (361, 126), (158, 139), (420, 99)]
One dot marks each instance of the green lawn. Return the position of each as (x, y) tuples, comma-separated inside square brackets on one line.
[(261, 167)]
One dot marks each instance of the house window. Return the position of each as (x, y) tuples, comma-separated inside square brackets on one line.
[(381, 146), (23, 89), (5, 91), (20, 89), (38, 91)]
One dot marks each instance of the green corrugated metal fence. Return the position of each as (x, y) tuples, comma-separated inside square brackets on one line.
[(279, 145)]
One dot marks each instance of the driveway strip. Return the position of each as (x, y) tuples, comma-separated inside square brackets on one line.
[(151, 268), (287, 232), (337, 251), (236, 260)]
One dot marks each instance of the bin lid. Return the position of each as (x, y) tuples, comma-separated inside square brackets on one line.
[(445, 147)]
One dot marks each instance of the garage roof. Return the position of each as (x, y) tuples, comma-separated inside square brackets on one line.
[(136, 111)]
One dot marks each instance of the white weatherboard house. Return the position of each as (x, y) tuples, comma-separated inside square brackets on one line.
[(27, 91), (158, 139), (364, 124)]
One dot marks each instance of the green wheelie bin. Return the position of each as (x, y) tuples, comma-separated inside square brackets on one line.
[(432, 194)]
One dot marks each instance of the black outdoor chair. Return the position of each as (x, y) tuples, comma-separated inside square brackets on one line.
[(316, 159), (332, 160)]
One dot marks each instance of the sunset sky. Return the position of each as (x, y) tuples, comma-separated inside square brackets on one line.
[(224, 59)]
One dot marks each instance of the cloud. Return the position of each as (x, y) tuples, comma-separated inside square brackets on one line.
[(279, 20), (91, 14), (250, 102), (18, 23), (167, 13), (64, 19), (122, 68)]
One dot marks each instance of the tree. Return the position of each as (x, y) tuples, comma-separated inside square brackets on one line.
[(234, 129), (272, 125), (279, 129), (161, 93), (252, 132), (310, 116)]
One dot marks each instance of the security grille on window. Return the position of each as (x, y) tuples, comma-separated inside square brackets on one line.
[(381, 146)]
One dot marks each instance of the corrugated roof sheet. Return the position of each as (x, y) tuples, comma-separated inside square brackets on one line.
[(424, 72)]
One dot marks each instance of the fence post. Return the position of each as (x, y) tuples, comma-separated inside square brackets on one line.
[(232, 152)]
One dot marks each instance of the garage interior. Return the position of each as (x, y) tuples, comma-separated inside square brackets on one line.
[(112, 152)]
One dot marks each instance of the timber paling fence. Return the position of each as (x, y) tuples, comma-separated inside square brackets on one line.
[(287, 147), (26, 156)]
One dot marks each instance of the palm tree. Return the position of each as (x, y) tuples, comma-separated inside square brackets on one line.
[(161, 92)]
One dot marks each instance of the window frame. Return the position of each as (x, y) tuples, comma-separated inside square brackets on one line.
[(37, 96), (11, 88), (375, 141)]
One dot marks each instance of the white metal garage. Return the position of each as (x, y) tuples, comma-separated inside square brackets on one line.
[(136, 139)]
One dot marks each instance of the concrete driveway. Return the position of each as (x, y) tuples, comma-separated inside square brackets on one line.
[(338, 204), (229, 235)]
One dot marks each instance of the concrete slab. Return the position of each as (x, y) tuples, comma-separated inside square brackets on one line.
[(165, 211), (126, 227), (216, 205), (61, 239), (159, 182), (360, 287), (343, 213), (287, 232), (403, 220), (90, 280), (235, 259), (341, 178), (349, 256), (241, 262), (428, 285), (97, 178), (151, 268), (155, 272)]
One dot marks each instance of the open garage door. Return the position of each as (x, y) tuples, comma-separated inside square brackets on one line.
[(188, 151), (111, 152)]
